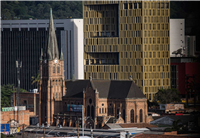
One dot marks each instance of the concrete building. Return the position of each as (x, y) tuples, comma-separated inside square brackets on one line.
[(23, 40), (128, 39), (177, 36)]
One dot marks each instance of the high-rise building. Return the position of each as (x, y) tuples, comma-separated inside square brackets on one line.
[(128, 40), (23, 39)]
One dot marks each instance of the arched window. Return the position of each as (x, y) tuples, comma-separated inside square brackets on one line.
[(92, 112), (88, 110), (54, 69), (132, 116), (141, 116), (124, 113), (58, 69)]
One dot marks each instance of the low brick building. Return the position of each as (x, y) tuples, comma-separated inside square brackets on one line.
[(28, 99), (23, 117)]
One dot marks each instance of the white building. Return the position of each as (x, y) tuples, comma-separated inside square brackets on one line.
[(177, 36), (71, 40)]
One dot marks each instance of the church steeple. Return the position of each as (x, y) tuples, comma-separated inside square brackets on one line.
[(52, 41)]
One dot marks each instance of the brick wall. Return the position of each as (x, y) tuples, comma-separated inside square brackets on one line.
[(10, 115), (30, 100)]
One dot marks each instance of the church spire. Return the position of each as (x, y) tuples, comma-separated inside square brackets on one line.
[(52, 41)]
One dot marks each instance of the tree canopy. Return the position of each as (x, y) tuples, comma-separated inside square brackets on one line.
[(165, 96), (11, 10), (15, 10), (6, 91)]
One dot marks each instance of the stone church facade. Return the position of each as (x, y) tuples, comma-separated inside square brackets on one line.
[(104, 101)]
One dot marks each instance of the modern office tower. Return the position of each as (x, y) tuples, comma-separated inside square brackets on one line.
[(23, 39), (177, 37), (128, 40)]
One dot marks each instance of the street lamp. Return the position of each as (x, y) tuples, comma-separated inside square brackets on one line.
[(18, 66)]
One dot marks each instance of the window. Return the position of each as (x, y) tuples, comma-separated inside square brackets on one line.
[(125, 5), (130, 5), (58, 69), (54, 69), (135, 5), (141, 116), (132, 116)]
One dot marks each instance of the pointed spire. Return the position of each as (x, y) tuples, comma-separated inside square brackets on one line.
[(61, 55), (52, 41)]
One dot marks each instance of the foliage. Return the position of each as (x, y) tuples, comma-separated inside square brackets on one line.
[(6, 91), (176, 125), (14, 10), (2, 135), (165, 96), (36, 79)]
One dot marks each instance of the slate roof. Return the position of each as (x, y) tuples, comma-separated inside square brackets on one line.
[(117, 89), (110, 89), (75, 88)]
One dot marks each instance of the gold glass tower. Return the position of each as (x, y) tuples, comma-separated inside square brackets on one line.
[(128, 40)]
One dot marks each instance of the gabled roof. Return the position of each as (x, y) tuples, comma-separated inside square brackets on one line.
[(117, 89), (110, 89)]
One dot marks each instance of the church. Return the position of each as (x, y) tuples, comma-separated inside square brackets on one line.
[(104, 101)]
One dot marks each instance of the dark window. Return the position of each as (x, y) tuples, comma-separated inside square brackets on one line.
[(125, 5), (140, 5), (54, 69), (88, 110), (135, 5), (130, 5), (58, 69), (132, 116), (90, 101), (92, 112), (141, 116)]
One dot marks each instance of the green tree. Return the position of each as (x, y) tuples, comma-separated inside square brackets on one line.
[(6, 91), (36, 79), (165, 96)]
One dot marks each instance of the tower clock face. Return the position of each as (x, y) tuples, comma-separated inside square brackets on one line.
[(56, 61)]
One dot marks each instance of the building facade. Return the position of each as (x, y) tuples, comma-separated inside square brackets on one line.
[(128, 39), (23, 40), (180, 67)]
